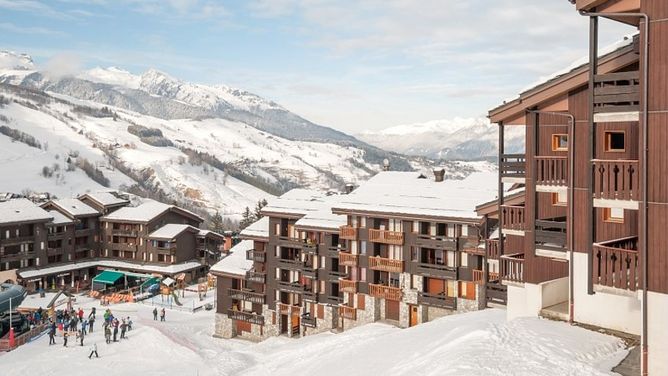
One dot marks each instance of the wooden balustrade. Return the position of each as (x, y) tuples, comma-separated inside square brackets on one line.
[(22, 338), (513, 165), (347, 285), (386, 237), (513, 217), (617, 92), (493, 251), (348, 233), (348, 259), (287, 309), (253, 297), (616, 179), (254, 276), (255, 255), (386, 264), (617, 264), (551, 171), (245, 316), (346, 312), (512, 267), (385, 292), (479, 276), (551, 234)]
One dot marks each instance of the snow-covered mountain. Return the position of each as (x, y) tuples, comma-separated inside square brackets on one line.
[(209, 147), (455, 139)]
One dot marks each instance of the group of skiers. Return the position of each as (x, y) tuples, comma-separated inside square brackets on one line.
[(112, 324), (155, 314)]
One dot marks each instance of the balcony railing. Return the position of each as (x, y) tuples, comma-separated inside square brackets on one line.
[(348, 259), (551, 235), (290, 242), (346, 285), (287, 309), (334, 275), (310, 248), (310, 295), (333, 299), (245, 316), (436, 242), (346, 312), (386, 237), (249, 296), (512, 267), (308, 321), (309, 270), (124, 232), (385, 292), (333, 251), (617, 92), (513, 166), (437, 270), (616, 179), (386, 264), (253, 276), (513, 217), (493, 250), (437, 300), (290, 263), (552, 171), (18, 239), (348, 233), (497, 293), (616, 264), (294, 287), (255, 255), (479, 276)]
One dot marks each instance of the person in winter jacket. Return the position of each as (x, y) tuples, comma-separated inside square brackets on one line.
[(107, 334), (162, 314), (155, 314), (93, 350), (91, 321), (81, 314), (52, 334), (129, 324), (124, 327), (65, 335), (84, 325), (80, 336), (115, 325)]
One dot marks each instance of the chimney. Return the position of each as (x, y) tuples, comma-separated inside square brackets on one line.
[(439, 173), (386, 164), (349, 188)]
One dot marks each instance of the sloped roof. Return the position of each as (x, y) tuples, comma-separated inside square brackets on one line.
[(171, 230), (235, 262), (105, 198), (146, 212), (22, 210), (59, 218), (258, 229), (74, 207)]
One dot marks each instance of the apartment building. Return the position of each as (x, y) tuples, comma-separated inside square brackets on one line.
[(86, 239), (104, 202), (593, 216)]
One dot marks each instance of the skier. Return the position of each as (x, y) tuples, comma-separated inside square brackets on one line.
[(162, 314), (80, 336), (155, 314), (84, 324), (123, 328), (129, 324), (93, 350), (52, 334), (91, 321), (65, 335), (107, 334), (115, 325)]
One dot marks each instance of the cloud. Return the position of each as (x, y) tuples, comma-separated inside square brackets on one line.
[(12, 28), (62, 65), (34, 7)]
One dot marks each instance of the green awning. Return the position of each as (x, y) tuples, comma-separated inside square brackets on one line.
[(108, 277)]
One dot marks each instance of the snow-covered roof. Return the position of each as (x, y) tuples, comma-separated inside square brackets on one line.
[(299, 202), (204, 233), (405, 194), (22, 210), (142, 213), (322, 219), (170, 231), (258, 229), (74, 207), (235, 262), (59, 218), (160, 269), (106, 198)]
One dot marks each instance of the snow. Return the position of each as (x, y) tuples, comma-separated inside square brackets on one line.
[(22, 210), (59, 218), (142, 213), (471, 344), (170, 231), (112, 76), (404, 193), (235, 262), (105, 198), (322, 219), (74, 207), (166, 269), (258, 229), (300, 202)]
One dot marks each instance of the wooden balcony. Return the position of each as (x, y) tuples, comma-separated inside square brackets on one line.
[(479, 276), (249, 296), (512, 268), (346, 285), (552, 171), (436, 242), (310, 248), (617, 92), (290, 263), (310, 295), (335, 275), (333, 299), (551, 235), (253, 276), (386, 237), (55, 251), (348, 233), (437, 270), (288, 242), (122, 247), (616, 179), (308, 270), (346, 312), (493, 250), (308, 321), (385, 292), (18, 240), (616, 264), (513, 166), (334, 251), (513, 218), (437, 300), (497, 293), (255, 255), (245, 316), (124, 232), (287, 309), (294, 287), (348, 259), (386, 264)]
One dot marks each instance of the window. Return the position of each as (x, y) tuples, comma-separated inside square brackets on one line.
[(465, 230), (559, 198), (559, 142), (613, 215), (614, 141)]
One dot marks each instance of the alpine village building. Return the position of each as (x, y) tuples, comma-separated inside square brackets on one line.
[(403, 248), (67, 242), (585, 241)]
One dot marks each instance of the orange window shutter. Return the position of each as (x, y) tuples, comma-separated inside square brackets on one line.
[(360, 301), (321, 311)]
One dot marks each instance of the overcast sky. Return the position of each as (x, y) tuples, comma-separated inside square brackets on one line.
[(352, 65)]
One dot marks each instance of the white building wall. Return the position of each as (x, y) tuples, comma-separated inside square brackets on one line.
[(598, 309), (657, 338), (531, 298)]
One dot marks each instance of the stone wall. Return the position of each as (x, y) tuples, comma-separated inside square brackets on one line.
[(223, 327)]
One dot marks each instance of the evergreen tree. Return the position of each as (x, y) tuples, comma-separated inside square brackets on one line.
[(217, 223), (258, 208), (246, 219)]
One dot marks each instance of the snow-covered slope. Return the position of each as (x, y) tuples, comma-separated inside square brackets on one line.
[(455, 139)]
